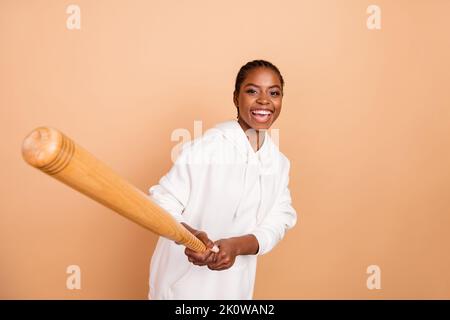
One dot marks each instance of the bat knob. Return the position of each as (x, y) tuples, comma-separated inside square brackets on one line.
[(47, 149)]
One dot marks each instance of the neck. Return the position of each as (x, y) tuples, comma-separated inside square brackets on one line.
[(255, 137)]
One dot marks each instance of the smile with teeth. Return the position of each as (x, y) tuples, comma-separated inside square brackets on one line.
[(261, 112), (261, 115)]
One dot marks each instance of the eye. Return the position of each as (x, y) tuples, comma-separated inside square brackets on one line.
[(251, 91), (275, 93)]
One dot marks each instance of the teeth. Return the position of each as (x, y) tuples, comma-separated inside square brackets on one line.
[(263, 112)]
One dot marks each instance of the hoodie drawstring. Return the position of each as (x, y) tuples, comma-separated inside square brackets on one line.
[(244, 184), (259, 175)]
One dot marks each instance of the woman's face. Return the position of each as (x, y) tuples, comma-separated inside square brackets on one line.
[(259, 99)]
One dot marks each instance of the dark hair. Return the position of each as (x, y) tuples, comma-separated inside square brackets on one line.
[(249, 66)]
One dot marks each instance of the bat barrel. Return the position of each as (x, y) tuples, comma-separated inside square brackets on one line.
[(52, 152)]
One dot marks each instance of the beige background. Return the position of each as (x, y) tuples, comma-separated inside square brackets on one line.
[(365, 123)]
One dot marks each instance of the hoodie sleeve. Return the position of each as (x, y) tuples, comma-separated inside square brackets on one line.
[(281, 218), (172, 192)]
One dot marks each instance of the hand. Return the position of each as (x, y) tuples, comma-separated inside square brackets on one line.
[(200, 258), (228, 250)]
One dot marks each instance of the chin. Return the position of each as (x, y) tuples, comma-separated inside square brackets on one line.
[(255, 125), (261, 126)]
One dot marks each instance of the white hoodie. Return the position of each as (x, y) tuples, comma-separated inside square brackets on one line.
[(220, 185)]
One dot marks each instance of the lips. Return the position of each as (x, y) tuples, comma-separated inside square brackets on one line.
[(261, 115)]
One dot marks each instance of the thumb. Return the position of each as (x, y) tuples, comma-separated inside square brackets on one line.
[(204, 238), (215, 246)]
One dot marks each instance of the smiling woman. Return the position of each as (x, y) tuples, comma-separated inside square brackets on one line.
[(259, 87), (258, 96), (245, 203)]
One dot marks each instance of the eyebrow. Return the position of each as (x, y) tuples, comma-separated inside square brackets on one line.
[(254, 85)]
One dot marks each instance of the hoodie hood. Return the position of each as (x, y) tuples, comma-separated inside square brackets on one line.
[(265, 159)]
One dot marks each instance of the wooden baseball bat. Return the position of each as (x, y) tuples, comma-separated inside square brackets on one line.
[(54, 153)]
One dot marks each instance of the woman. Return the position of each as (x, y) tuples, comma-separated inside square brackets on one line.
[(232, 183)]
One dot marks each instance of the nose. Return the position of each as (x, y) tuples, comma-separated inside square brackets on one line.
[(262, 99)]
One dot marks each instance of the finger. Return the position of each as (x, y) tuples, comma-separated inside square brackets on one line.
[(223, 268), (221, 255), (219, 267), (192, 255), (204, 261), (215, 249), (200, 257), (222, 261), (211, 259), (223, 264), (204, 238), (216, 264), (196, 262), (191, 252)]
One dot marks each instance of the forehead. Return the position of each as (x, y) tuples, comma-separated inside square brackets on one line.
[(264, 77)]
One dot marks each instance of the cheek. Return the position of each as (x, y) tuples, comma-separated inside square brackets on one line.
[(243, 101), (277, 106)]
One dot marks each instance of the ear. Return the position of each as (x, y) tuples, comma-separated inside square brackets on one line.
[(235, 99)]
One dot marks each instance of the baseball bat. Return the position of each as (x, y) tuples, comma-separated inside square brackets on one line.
[(55, 154)]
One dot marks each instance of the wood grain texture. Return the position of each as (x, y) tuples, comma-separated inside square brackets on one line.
[(54, 153)]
